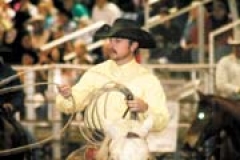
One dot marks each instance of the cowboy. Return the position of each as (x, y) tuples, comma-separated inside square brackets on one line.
[(228, 72), (125, 38)]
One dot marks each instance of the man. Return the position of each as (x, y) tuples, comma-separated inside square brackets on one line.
[(228, 73), (149, 99)]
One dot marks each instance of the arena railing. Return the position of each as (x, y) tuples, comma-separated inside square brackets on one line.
[(71, 36)]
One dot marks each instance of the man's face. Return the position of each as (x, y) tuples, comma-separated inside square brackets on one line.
[(121, 49)]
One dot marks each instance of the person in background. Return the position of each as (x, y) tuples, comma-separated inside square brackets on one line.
[(81, 57), (167, 36), (228, 73), (218, 18), (77, 9), (65, 21), (190, 39), (29, 58), (125, 38), (47, 9), (38, 34), (105, 11), (81, 52)]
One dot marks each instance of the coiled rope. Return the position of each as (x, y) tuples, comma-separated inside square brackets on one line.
[(89, 128)]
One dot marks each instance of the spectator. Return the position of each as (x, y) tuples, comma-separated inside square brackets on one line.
[(105, 11), (190, 39), (29, 58), (8, 40), (48, 11), (25, 45), (81, 52), (228, 73), (133, 10), (218, 18), (65, 21), (39, 35), (167, 36), (6, 15), (77, 9)]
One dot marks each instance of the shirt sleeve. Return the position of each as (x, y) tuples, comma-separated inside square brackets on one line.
[(80, 93), (156, 100), (222, 79)]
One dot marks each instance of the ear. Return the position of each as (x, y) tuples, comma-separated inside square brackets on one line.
[(134, 46), (146, 126)]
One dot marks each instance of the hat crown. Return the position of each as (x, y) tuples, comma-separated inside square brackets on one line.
[(129, 29), (125, 23)]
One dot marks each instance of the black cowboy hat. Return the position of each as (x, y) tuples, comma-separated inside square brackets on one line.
[(125, 28)]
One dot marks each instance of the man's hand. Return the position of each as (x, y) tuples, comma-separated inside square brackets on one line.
[(65, 90), (137, 105)]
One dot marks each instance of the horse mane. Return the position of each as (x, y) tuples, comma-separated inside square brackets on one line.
[(228, 105)]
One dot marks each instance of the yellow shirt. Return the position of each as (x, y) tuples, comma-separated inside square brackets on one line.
[(111, 105)]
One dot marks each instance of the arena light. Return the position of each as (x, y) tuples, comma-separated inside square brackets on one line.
[(201, 115)]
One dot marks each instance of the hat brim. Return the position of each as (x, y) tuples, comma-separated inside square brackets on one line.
[(234, 42), (144, 38)]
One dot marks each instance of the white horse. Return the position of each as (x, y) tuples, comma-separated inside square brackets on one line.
[(126, 140)]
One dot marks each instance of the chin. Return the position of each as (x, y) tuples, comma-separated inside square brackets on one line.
[(113, 57)]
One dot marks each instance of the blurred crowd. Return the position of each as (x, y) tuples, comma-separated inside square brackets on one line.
[(26, 25), (178, 39)]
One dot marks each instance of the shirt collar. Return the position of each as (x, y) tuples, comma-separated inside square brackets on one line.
[(124, 66)]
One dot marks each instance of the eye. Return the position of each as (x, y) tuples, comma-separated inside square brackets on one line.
[(117, 40)]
